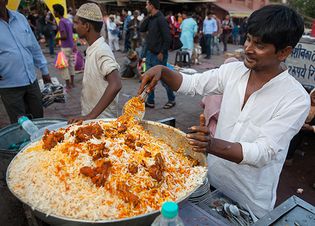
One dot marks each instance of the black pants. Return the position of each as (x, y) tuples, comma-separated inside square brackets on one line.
[(25, 100)]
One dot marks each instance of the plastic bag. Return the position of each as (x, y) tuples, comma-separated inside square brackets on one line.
[(78, 61), (61, 61)]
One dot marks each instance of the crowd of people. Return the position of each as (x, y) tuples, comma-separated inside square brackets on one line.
[(248, 148)]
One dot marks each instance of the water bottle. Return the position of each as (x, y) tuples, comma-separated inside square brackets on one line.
[(28, 126), (169, 216)]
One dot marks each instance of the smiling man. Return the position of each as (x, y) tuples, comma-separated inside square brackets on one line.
[(263, 107)]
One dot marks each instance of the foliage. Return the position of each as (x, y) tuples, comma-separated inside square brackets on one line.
[(305, 7)]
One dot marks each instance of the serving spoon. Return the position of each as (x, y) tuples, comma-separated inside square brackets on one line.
[(135, 106)]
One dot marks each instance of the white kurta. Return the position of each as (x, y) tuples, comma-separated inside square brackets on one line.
[(100, 61), (264, 128)]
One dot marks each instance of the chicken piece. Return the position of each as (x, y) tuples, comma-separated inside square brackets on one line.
[(122, 128), (98, 151), (87, 132), (126, 195), (147, 154), (51, 139), (88, 171), (111, 133), (133, 168), (130, 141), (156, 170), (159, 161), (99, 174)]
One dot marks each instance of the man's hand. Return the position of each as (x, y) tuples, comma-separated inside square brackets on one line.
[(150, 77), (78, 119), (160, 57), (46, 79), (307, 127), (200, 137)]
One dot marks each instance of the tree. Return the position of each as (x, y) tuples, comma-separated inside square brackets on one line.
[(304, 7)]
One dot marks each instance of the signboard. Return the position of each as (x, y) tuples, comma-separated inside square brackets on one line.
[(301, 63)]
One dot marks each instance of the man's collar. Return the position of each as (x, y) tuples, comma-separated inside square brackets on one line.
[(11, 15)]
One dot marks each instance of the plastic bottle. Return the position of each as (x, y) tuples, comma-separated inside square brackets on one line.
[(169, 216), (28, 126)]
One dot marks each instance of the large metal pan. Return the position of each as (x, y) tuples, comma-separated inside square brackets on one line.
[(172, 136)]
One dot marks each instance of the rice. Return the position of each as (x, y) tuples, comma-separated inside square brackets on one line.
[(50, 180)]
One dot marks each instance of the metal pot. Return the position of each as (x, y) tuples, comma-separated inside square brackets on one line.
[(172, 136)]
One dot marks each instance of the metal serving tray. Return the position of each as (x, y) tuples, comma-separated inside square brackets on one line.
[(292, 212)]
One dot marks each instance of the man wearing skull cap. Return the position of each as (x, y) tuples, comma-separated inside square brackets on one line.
[(101, 82)]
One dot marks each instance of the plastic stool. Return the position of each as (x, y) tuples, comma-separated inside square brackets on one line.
[(180, 58)]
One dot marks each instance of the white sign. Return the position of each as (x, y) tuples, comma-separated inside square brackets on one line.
[(301, 64)]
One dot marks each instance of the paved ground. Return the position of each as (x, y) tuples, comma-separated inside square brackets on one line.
[(186, 112)]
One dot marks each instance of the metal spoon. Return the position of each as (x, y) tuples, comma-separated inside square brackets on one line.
[(138, 114), (237, 214), (255, 219)]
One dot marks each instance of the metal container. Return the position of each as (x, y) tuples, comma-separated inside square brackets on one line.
[(293, 211), (14, 134), (170, 135)]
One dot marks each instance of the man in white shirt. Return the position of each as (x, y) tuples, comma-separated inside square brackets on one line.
[(101, 82), (263, 107)]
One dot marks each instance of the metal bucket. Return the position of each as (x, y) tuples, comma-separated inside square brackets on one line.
[(15, 134), (173, 137)]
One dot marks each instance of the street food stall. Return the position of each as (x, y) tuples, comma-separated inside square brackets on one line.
[(198, 205)]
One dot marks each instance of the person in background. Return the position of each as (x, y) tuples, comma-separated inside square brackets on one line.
[(19, 55), (127, 19), (33, 21), (262, 108), (227, 26), (216, 35), (209, 29), (236, 34), (101, 82), (129, 67), (66, 38), (133, 28), (113, 32), (51, 28), (179, 18), (243, 31), (189, 29), (308, 129), (158, 41)]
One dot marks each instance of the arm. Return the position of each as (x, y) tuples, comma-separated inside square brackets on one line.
[(215, 26), (166, 34), (209, 82), (195, 28), (172, 78), (273, 137), (114, 86)]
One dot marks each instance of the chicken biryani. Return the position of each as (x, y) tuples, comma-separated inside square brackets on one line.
[(102, 170)]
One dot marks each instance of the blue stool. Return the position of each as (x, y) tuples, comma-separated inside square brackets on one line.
[(182, 58)]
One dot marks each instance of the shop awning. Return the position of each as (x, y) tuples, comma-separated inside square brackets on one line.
[(235, 10)]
